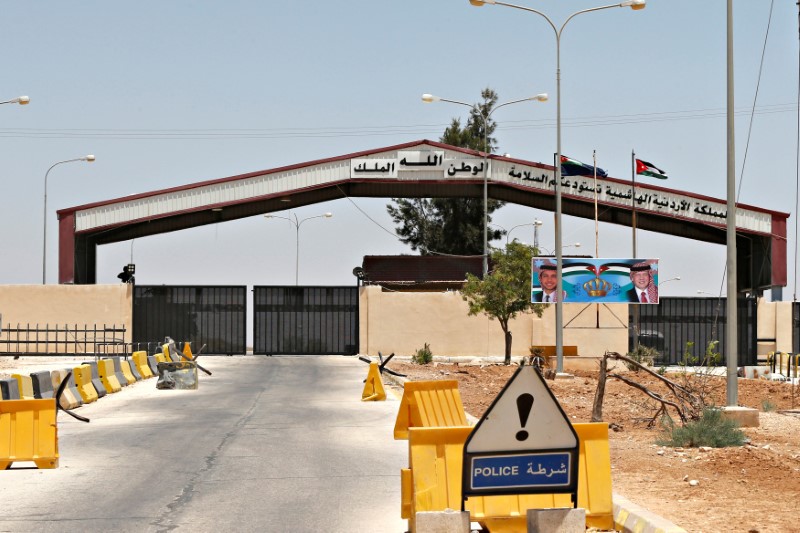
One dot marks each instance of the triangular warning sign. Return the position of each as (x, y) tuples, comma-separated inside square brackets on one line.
[(525, 416)]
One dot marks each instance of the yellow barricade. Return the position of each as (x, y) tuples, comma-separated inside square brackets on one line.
[(83, 381), (105, 370), (429, 404), (126, 371), (373, 386), (25, 384), (434, 481), (70, 397), (28, 432), (140, 360)]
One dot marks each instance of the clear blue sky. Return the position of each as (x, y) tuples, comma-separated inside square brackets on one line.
[(170, 93)]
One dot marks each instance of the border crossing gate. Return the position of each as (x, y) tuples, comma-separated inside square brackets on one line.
[(211, 315), (305, 320)]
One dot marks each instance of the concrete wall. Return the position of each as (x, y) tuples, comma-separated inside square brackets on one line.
[(111, 305), (774, 327), (402, 322)]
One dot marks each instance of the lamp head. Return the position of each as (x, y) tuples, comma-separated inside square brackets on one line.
[(542, 97), (328, 215), (23, 100), (429, 98), (88, 158), (537, 222), (633, 4), (479, 3)]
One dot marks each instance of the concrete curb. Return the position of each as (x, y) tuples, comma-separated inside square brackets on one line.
[(631, 518), (628, 517)]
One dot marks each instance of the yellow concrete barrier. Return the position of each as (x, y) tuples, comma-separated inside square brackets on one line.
[(435, 457), (70, 397), (126, 371), (373, 386), (105, 369), (83, 381), (28, 432), (140, 360), (429, 404), (25, 384)]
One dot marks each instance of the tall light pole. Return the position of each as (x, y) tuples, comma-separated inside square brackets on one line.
[(297, 224), (535, 224), (633, 4), (88, 158), (429, 98), (21, 100)]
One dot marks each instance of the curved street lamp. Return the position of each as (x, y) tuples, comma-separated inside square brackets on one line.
[(88, 158), (676, 278), (21, 100), (429, 98), (633, 4), (296, 223), (535, 224)]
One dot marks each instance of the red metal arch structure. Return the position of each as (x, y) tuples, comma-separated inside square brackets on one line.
[(422, 169)]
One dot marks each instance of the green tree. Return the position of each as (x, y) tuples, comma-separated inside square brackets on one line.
[(505, 291), (452, 225)]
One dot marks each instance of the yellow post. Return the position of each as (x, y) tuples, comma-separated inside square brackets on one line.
[(373, 388)]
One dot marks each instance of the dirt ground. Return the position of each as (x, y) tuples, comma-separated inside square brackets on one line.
[(753, 488)]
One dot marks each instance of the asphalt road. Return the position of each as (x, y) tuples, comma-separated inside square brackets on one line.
[(267, 444)]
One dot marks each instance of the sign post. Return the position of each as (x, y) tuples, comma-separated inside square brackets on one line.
[(524, 444)]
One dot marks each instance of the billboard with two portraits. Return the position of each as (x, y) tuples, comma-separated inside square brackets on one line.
[(586, 280)]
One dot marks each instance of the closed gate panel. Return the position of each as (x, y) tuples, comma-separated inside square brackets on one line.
[(305, 320), (211, 315), (672, 323)]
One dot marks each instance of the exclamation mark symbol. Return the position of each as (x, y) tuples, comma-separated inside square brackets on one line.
[(524, 406)]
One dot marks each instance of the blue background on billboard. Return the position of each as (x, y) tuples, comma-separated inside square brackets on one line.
[(609, 278)]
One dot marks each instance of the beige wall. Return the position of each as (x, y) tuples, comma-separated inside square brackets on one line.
[(774, 327), (111, 305), (401, 323)]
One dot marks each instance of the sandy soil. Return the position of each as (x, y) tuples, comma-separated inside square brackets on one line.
[(753, 488)]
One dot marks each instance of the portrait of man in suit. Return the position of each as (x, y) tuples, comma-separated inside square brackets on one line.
[(548, 279), (644, 288)]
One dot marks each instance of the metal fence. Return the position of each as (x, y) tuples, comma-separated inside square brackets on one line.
[(212, 315), (47, 339), (305, 320), (672, 323)]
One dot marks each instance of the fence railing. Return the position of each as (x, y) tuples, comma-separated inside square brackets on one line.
[(47, 339)]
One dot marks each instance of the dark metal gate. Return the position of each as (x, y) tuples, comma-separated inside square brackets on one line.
[(212, 315), (675, 321), (305, 320)]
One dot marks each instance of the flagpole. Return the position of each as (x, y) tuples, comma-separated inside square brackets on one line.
[(596, 231), (633, 226), (633, 200)]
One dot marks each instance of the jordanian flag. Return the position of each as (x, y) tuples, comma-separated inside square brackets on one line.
[(573, 167), (648, 169)]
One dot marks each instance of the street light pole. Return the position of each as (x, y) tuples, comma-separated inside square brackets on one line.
[(633, 4), (297, 223), (21, 100), (429, 98), (89, 158)]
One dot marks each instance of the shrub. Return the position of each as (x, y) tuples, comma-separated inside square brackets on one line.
[(643, 355), (767, 406), (711, 429), (423, 355)]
